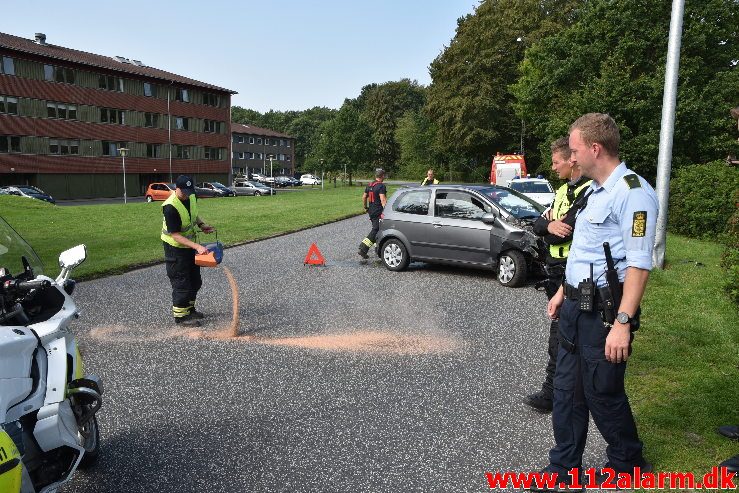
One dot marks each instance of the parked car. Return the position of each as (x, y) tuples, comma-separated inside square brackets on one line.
[(485, 226), (220, 189), (252, 188), (28, 191), (159, 191), (309, 179), (295, 182), (537, 189), (205, 193), (283, 181)]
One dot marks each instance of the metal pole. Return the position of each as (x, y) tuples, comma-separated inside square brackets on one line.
[(125, 197), (664, 161), (169, 135)]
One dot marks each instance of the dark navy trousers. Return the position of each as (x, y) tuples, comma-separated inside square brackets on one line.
[(585, 382)]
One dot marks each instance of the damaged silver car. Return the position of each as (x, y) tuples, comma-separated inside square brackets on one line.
[(483, 226)]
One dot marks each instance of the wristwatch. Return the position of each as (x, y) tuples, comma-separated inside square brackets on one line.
[(623, 318)]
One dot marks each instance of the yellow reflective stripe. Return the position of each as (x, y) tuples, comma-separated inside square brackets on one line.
[(80, 370), (368, 242), (180, 312)]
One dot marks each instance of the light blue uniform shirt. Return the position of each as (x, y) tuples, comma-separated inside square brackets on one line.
[(625, 217)]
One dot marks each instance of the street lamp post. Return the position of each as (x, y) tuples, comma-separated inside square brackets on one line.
[(321, 174), (123, 151)]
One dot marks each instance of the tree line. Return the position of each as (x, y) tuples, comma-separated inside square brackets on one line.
[(517, 73)]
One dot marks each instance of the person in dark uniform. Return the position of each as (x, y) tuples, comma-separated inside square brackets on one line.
[(591, 364), (429, 180), (555, 226), (374, 199), (178, 237)]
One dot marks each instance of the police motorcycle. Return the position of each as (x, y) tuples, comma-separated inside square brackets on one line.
[(48, 405)]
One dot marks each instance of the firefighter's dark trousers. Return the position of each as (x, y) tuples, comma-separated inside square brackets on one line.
[(184, 276), (369, 241)]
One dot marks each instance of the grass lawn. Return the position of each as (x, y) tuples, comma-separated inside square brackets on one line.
[(120, 236), (683, 379)]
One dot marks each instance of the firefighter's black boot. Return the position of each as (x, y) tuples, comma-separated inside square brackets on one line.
[(364, 248)]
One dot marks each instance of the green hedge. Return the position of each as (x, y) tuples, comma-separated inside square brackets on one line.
[(703, 204), (702, 199)]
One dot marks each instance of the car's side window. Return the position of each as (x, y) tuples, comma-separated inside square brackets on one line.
[(459, 205), (415, 202)]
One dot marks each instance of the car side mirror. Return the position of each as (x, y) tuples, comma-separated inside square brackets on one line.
[(489, 217)]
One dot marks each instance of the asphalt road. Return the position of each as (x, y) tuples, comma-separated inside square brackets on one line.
[(346, 377)]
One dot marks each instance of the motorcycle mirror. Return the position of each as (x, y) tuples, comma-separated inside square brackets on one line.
[(69, 259)]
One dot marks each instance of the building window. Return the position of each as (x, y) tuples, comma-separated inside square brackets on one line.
[(153, 150), (64, 147), (260, 155), (282, 142), (287, 143), (281, 157), (213, 126), (181, 152), (53, 73), (150, 90), (8, 66), (259, 141), (111, 148), (287, 158), (241, 155), (251, 140), (9, 143), (151, 120), (181, 123), (182, 95), (8, 105), (240, 139), (211, 99), (110, 83), (108, 115), (274, 142), (59, 110)]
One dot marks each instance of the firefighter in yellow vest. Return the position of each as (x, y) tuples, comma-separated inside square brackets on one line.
[(10, 465), (429, 180), (178, 236), (556, 227)]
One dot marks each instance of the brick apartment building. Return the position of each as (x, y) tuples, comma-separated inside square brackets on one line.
[(65, 113), (253, 147)]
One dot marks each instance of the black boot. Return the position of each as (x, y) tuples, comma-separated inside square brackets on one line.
[(541, 401), (731, 464), (187, 321)]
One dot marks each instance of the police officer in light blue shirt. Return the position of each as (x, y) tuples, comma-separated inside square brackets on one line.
[(621, 210)]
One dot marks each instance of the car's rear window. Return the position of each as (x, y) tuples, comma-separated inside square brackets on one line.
[(414, 202)]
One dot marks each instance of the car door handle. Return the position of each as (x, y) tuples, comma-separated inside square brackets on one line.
[(437, 225)]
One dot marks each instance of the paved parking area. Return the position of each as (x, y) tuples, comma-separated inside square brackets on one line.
[(345, 378)]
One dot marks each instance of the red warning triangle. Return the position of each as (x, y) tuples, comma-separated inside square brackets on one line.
[(314, 256)]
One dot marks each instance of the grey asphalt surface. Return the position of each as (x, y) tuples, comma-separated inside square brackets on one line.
[(184, 414)]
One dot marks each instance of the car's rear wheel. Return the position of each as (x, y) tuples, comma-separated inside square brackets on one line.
[(257, 194), (149, 199), (512, 268), (394, 255)]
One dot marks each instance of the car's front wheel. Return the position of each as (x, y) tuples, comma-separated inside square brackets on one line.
[(257, 194), (512, 268), (394, 255), (149, 199)]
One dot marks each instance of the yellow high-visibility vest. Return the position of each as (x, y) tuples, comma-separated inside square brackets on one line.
[(559, 209), (188, 220)]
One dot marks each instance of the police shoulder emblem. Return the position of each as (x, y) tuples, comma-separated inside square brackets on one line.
[(639, 224)]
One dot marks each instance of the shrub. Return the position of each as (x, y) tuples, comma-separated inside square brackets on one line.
[(730, 258), (702, 199)]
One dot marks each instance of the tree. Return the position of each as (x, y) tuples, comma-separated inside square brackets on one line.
[(381, 106), (469, 98), (345, 140), (416, 136), (612, 60)]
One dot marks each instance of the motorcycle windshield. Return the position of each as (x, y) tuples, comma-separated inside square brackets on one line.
[(12, 250)]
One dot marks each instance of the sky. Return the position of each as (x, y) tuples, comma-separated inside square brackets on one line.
[(280, 55)]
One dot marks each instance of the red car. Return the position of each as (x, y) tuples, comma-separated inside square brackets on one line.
[(159, 191), (162, 191)]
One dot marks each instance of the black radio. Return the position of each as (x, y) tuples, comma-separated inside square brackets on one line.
[(586, 289)]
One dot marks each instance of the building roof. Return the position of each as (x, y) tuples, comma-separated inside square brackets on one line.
[(118, 64), (238, 128)]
